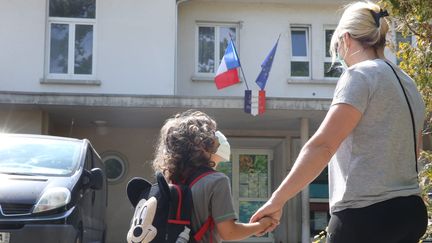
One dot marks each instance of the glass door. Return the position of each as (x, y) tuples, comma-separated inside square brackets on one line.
[(250, 173)]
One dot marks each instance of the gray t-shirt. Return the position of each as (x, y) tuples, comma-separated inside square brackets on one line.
[(211, 195), (376, 161)]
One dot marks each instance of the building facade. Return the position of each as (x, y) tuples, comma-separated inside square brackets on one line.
[(112, 71)]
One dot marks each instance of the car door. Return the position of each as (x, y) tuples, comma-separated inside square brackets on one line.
[(99, 201), (87, 202)]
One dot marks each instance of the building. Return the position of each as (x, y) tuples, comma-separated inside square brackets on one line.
[(113, 71)]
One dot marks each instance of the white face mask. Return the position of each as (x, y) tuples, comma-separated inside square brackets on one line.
[(342, 62), (341, 59)]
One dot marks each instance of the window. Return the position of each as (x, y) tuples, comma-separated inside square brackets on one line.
[(401, 39), (300, 53), (71, 26), (319, 217), (212, 41), (330, 71), (319, 187), (115, 166), (250, 175), (319, 209)]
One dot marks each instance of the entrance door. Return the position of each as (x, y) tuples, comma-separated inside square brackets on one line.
[(250, 174)]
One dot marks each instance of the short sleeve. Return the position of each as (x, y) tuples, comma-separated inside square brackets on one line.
[(222, 205), (353, 89)]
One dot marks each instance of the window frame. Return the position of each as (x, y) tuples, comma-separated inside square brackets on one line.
[(326, 58), (307, 58), (72, 23), (217, 25), (120, 158)]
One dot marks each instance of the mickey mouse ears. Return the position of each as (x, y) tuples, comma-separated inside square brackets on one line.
[(135, 188), (377, 16)]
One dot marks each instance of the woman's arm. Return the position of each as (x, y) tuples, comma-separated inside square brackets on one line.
[(339, 122), (232, 230)]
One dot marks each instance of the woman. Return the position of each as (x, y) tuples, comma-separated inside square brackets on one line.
[(373, 139)]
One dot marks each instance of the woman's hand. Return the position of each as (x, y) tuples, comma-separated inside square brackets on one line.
[(270, 209)]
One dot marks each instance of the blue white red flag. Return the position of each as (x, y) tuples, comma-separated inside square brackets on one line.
[(266, 67), (227, 73), (254, 102)]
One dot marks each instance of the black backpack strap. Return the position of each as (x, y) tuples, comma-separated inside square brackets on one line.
[(181, 205), (181, 196)]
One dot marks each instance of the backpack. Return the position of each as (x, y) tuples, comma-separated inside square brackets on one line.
[(163, 211)]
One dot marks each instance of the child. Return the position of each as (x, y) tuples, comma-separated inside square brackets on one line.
[(189, 141)]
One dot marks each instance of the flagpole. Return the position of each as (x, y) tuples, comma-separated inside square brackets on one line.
[(241, 67)]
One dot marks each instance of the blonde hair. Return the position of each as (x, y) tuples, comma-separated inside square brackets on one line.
[(358, 21)]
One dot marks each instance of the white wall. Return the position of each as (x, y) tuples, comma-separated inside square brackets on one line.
[(22, 121), (22, 36), (261, 24), (134, 48)]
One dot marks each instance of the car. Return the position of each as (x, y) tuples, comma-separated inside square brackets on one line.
[(52, 189)]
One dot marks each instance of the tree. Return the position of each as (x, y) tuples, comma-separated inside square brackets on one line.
[(414, 17)]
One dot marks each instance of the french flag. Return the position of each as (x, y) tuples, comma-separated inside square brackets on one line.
[(255, 102), (227, 73)]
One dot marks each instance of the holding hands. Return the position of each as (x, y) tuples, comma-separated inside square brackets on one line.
[(267, 223), (269, 212)]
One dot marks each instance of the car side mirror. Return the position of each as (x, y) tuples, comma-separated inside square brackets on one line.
[(95, 179)]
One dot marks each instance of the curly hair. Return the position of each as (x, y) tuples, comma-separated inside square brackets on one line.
[(186, 142)]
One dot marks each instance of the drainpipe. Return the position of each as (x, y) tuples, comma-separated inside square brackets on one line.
[(178, 2), (304, 136)]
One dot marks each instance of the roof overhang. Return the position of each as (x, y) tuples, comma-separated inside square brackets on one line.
[(150, 111)]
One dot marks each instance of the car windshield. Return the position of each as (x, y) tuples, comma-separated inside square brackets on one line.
[(38, 156)]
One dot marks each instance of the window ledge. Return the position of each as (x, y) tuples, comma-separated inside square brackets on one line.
[(202, 78), (71, 81), (332, 81), (319, 200)]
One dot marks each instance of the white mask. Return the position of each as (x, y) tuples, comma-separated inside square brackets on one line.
[(342, 59), (342, 62)]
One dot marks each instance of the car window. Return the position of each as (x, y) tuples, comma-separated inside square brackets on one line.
[(38, 156)]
